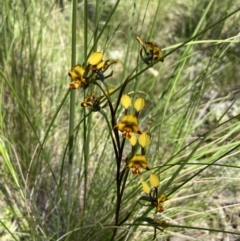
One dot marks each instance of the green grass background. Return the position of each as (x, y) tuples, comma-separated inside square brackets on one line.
[(192, 99)]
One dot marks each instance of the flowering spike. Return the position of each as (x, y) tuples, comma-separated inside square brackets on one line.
[(128, 125)]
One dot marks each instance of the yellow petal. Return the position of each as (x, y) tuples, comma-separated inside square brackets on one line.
[(139, 40), (72, 74), (144, 139), (139, 104), (95, 58), (144, 165), (145, 187), (102, 64), (79, 69), (126, 101), (139, 158), (133, 139), (120, 126), (154, 181), (132, 121), (77, 72), (162, 198), (128, 125), (130, 165)]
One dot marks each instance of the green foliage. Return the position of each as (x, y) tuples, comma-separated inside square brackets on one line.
[(58, 166)]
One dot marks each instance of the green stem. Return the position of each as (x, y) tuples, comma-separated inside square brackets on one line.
[(96, 23), (72, 114), (85, 37), (105, 25), (87, 121)]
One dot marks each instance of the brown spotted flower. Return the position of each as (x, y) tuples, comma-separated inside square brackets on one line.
[(158, 204), (156, 200), (152, 52), (138, 162), (77, 74), (128, 125), (99, 66), (92, 101)]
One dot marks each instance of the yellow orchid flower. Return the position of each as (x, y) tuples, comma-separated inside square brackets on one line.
[(77, 74), (160, 200), (153, 192), (96, 63), (152, 51), (137, 162), (92, 101), (128, 125)]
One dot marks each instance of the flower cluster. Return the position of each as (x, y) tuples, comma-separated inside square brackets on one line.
[(93, 72), (96, 65), (152, 52), (155, 199), (79, 78), (92, 101), (129, 126)]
